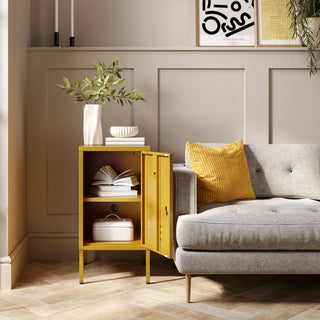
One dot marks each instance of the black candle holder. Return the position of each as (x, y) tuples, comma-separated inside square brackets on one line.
[(56, 39), (71, 41)]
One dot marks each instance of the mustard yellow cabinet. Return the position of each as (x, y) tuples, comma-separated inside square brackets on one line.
[(157, 202), (151, 211)]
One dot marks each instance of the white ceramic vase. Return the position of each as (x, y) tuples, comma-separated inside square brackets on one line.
[(92, 130)]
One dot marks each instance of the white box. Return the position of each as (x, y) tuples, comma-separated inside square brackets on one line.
[(111, 229)]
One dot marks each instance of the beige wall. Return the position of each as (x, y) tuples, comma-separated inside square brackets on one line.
[(17, 222), (197, 94), (106, 23), (212, 94)]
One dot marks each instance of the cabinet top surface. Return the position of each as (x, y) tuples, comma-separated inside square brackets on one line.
[(112, 148)]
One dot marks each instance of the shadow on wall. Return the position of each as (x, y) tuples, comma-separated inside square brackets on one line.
[(3, 184)]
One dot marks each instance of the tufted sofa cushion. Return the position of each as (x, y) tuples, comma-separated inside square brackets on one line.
[(262, 224), (282, 170)]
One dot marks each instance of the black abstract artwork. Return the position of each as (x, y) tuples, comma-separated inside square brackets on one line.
[(224, 22)]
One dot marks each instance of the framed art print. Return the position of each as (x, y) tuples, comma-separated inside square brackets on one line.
[(225, 23), (273, 24)]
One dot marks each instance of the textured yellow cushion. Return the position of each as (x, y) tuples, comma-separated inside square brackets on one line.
[(222, 172)]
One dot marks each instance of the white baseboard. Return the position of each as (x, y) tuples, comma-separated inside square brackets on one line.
[(5, 273), (12, 266)]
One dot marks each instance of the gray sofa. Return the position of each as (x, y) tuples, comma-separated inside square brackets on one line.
[(277, 233)]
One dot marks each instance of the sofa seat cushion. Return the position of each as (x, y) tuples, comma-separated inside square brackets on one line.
[(261, 224)]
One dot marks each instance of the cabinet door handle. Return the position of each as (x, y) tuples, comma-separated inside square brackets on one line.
[(166, 211)]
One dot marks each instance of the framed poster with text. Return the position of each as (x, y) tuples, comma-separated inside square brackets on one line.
[(225, 23)]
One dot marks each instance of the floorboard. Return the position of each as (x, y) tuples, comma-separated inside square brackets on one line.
[(117, 290)]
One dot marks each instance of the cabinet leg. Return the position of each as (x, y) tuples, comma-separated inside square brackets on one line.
[(81, 266), (147, 266), (85, 257)]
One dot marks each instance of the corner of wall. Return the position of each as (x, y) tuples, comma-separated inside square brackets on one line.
[(19, 259)]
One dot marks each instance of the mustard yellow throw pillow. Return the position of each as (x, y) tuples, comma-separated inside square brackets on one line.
[(222, 172)]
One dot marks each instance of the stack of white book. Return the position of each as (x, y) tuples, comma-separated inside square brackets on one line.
[(126, 141), (106, 183)]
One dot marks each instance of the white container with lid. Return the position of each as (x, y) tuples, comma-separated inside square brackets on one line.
[(112, 228)]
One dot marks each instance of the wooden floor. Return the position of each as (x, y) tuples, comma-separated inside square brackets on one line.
[(117, 291)]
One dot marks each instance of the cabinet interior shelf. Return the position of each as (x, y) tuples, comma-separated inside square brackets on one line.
[(110, 199), (113, 245)]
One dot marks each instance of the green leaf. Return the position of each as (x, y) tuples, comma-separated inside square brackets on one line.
[(83, 86), (107, 91), (106, 79), (88, 82), (66, 82), (115, 63), (90, 92), (119, 81), (77, 84), (78, 99), (111, 79), (60, 86), (131, 91)]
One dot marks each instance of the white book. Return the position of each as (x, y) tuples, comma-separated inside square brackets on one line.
[(117, 194), (124, 143), (124, 139), (107, 175), (110, 187)]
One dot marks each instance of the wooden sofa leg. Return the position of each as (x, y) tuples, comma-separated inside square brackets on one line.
[(188, 286)]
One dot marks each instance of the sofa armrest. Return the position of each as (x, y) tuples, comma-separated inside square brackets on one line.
[(185, 190), (185, 196)]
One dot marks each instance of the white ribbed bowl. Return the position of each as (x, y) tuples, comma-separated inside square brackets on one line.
[(120, 132)]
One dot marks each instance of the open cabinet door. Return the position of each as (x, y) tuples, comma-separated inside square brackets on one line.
[(157, 202)]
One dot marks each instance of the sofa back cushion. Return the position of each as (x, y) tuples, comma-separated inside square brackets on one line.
[(282, 170)]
